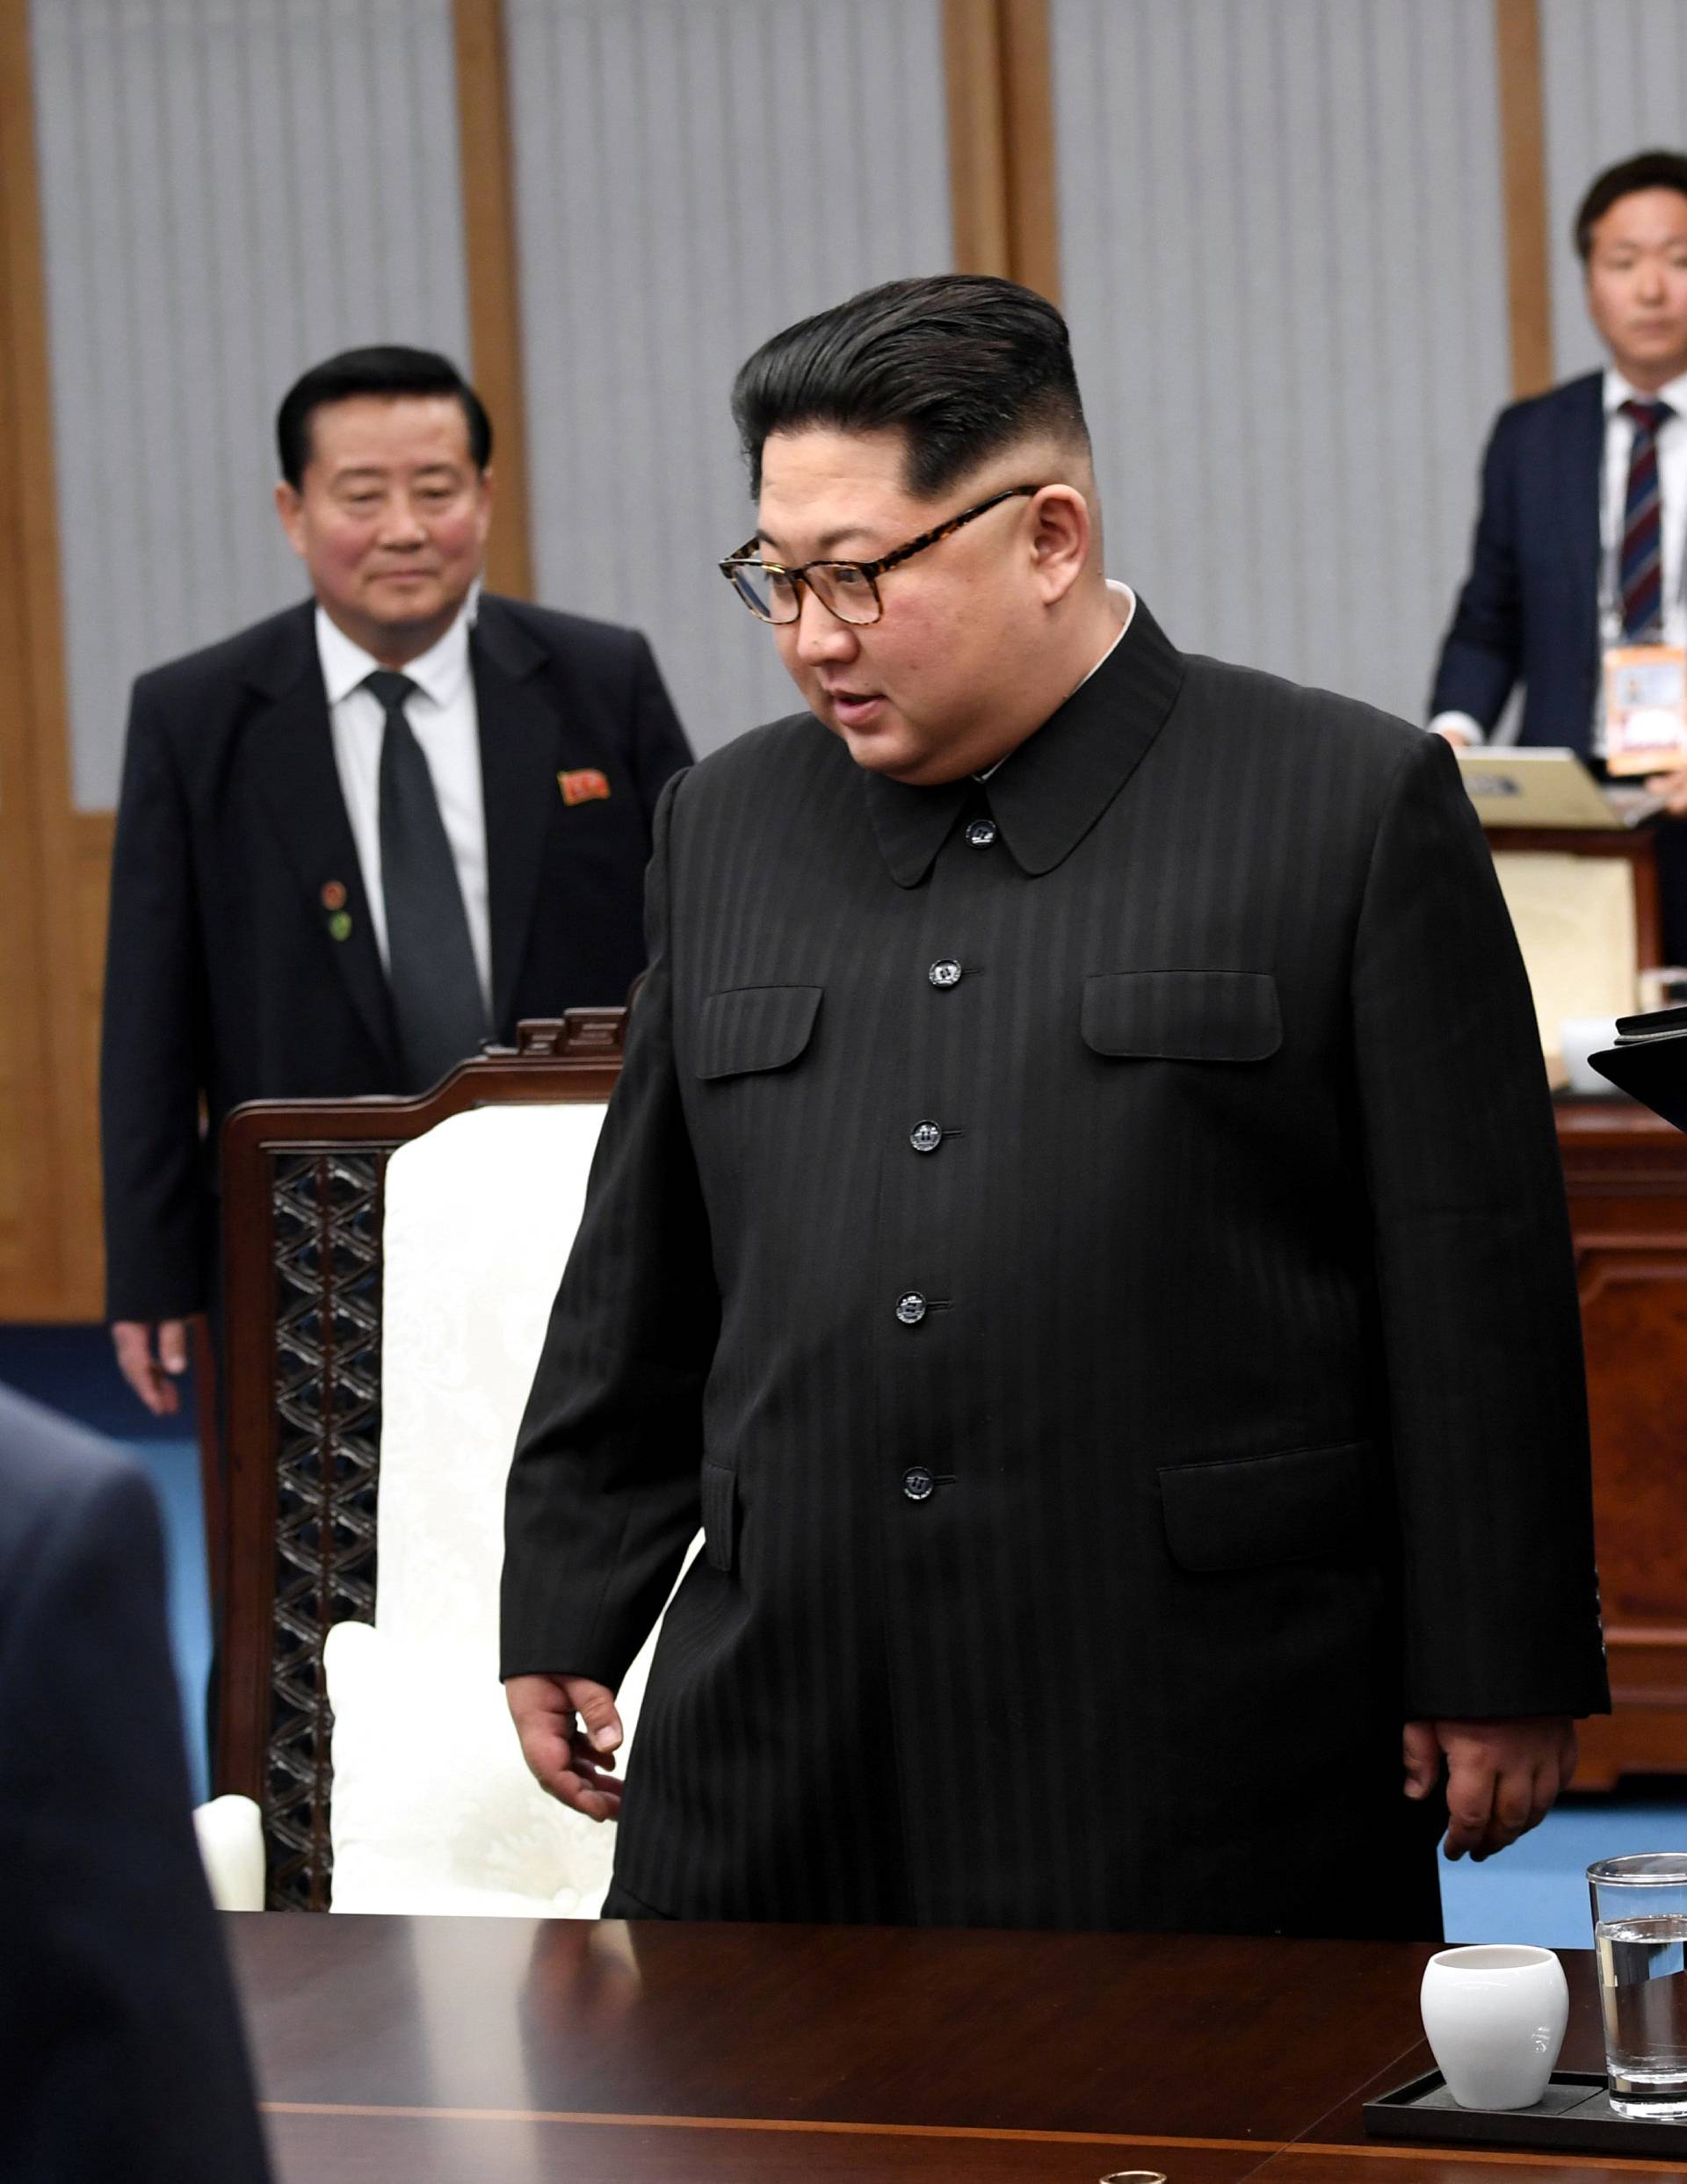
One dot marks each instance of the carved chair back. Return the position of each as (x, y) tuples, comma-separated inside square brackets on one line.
[(302, 1184)]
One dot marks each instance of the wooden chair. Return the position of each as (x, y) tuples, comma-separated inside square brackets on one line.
[(302, 1206)]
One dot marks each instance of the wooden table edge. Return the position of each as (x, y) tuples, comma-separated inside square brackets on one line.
[(1267, 2150)]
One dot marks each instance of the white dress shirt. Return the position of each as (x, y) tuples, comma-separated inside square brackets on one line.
[(1613, 496), (443, 718)]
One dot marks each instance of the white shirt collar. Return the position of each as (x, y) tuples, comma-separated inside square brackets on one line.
[(1618, 391), (439, 673), (1124, 600)]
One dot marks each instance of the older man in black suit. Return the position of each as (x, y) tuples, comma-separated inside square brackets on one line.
[(1090, 1248), (356, 840), (120, 2048)]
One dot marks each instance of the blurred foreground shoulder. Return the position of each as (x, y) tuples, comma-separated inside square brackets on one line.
[(121, 2053)]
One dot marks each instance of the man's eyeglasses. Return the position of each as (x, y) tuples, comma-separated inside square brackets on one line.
[(848, 589)]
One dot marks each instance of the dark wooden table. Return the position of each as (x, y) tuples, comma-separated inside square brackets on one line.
[(505, 2051)]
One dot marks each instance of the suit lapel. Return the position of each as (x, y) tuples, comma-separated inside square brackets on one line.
[(518, 731), (292, 748), (1582, 451)]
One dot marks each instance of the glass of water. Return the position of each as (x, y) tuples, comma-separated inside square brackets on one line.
[(1640, 1932)]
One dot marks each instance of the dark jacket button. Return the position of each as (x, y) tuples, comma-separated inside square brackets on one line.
[(910, 1310), (925, 1137), (917, 1483), (944, 972), (981, 832)]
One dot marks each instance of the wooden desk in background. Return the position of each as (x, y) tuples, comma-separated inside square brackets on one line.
[(1626, 1172), (1635, 846), (504, 2051)]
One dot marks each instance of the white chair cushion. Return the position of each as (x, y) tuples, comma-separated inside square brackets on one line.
[(433, 1808), (480, 1215), (230, 1832)]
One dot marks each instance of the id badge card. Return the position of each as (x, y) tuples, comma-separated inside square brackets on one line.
[(1646, 708)]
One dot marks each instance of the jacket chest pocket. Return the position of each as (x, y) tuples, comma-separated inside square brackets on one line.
[(750, 1028), (1182, 1016)]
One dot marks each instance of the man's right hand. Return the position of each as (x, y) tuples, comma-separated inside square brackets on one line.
[(152, 1378), (568, 1729)]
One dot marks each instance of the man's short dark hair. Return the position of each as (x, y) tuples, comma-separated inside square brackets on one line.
[(388, 370), (1646, 170), (964, 364)]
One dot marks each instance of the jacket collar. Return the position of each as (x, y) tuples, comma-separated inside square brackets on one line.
[(520, 727), (292, 759), (1046, 795), (289, 655), (1580, 458)]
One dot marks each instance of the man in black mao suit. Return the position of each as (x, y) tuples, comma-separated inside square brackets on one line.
[(1582, 530), (1091, 1252), (120, 2046), (314, 894)]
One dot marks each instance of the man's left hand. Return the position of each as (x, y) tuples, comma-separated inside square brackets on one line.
[(1502, 1777)]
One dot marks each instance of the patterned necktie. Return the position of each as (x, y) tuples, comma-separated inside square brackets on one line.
[(430, 960), (1642, 562)]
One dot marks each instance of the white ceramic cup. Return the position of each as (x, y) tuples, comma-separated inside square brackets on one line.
[(1494, 2016)]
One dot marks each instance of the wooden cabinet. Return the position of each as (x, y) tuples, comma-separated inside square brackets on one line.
[(1626, 1173)]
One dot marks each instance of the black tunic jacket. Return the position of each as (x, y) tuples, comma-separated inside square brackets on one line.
[(1090, 1248)]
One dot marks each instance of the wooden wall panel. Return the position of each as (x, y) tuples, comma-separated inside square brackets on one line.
[(88, 887), (49, 1195), (972, 64), (489, 251), (1000, 109), (1517, 25), (1028, 110)]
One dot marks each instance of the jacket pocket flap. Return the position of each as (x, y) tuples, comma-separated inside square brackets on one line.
[(1243, 1513), (719, 1497), (1182, 1015), (754, 1027)]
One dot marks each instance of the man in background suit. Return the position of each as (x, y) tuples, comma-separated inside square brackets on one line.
[(356, 840), (1579, 542), (1091, 1252), (120, 2048)]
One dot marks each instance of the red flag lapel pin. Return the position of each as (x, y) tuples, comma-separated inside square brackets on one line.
[(584, 785)]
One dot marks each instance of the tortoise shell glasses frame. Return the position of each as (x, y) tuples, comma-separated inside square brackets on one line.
[(849, 590)]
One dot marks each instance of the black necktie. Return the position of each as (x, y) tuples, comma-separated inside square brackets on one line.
[(430, 960)]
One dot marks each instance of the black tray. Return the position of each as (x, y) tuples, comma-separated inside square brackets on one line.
[(1574, 2115)]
